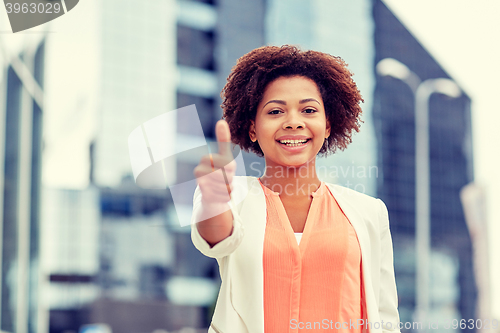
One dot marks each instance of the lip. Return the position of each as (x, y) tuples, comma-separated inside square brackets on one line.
[(292, 137)]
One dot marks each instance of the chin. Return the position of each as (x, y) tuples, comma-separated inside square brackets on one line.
[(295, 164)]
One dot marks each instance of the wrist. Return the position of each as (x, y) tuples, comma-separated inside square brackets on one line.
[(212, 209)]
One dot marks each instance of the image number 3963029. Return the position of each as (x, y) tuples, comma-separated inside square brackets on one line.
[(26, 14)]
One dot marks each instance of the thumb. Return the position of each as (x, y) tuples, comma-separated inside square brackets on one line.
[(223, 137)]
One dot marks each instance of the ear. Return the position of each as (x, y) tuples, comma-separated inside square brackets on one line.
[(328, 129), (251, 131)]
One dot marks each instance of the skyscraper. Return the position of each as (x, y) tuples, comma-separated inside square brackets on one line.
[(453, 291), (21, 107), (138, 78)]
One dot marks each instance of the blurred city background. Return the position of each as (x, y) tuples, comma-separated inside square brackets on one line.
[(84, 249)]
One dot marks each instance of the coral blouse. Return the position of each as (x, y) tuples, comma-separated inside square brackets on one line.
[(314, 286)]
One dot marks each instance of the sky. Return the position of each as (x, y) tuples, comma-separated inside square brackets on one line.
[(464, 37)]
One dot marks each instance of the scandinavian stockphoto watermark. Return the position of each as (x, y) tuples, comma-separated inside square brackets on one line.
[(356, 174), (328, 324), (26, 14)]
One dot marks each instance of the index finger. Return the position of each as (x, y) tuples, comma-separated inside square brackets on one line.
[(223, 135)]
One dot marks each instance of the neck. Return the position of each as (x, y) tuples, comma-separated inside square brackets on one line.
[(298, 181)]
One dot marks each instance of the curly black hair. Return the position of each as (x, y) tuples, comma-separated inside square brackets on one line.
[(255, 70)]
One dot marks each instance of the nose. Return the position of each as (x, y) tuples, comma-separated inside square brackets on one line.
[(293, 121)]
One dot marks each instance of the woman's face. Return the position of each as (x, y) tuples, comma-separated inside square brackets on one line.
[(291, 109)]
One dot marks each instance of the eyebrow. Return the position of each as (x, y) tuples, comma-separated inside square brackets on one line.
[(279, 101)]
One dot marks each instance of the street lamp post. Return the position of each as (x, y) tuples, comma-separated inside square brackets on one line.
[(422, 92)]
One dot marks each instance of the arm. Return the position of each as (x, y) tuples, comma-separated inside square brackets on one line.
[(223, 247), (388, 299), (215, 223)]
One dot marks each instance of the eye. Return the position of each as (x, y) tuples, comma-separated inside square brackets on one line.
[(274, 112), (309, 111)]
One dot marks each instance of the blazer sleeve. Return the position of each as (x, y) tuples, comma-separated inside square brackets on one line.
[(388, 299), (224, 247)]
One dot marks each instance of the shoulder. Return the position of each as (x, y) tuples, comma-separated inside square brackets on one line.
[(363, 202), (243, 179), (351, 194), (242, 184), (245, 187)]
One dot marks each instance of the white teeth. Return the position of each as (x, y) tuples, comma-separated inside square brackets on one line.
[(293, 143)]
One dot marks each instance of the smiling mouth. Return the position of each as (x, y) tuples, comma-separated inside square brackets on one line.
[(293, 143)]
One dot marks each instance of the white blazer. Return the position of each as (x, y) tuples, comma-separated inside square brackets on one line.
[(240, 304)]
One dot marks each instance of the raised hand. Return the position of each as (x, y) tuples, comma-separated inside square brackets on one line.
[(215, 172)]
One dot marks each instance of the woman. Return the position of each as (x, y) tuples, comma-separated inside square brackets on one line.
[(295, 253)]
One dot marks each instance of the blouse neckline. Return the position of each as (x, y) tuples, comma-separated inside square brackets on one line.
[(319, 191)]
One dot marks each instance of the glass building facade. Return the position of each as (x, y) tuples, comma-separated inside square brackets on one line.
[(20, 166), (69, 257), (138, 78), (452, 287)]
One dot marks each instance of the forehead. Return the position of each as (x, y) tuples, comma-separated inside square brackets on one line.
[(291, 86)]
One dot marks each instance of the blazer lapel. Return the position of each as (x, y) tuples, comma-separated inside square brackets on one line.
[(347, 203), (346, 199), (247, 283)]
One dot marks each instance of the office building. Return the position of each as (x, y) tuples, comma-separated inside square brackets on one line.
[(21, 113), (138, 78), (453, 291), (69, 257)]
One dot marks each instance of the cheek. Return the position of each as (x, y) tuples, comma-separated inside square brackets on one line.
[(264, 130)]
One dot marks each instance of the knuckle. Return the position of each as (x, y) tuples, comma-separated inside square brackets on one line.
[(217, 159), (205, 159), (198, 172), (231, 167)]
